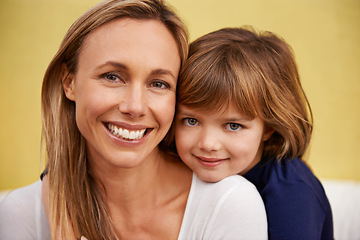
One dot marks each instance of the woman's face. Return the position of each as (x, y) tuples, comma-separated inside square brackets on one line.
[(124, 90)]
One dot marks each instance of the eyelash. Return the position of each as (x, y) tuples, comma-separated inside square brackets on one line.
[(228, 126), (238, 126), (164, 85), (186, 122), (107, 76)]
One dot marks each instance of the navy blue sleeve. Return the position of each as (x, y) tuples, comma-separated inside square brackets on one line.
[(294, 211), (295, 201)]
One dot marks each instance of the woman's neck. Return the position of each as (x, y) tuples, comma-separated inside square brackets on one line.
[(153, 179), (119, 183), (141, 200)]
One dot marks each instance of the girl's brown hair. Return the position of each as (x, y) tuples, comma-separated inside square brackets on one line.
[(75, 201), (256, 71)]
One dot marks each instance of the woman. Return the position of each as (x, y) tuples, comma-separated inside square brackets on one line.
[(108, 100)]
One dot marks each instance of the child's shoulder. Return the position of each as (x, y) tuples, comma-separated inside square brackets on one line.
[(290, 174), (286, 170), (290, 178), (293, 171)]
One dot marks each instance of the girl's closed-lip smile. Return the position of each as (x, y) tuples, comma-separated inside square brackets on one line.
[(210, 162)]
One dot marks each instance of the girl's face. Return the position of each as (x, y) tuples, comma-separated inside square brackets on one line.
[(216, 145), (124, 90)]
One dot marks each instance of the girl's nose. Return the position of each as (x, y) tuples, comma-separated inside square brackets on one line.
[(133, 102), (209, 141)]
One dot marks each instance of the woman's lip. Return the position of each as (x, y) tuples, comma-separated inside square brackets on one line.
[(210, 162)]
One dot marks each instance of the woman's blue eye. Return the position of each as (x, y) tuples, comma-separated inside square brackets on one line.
[(160, 84), (233, 126), (190, 121), (111, 77)]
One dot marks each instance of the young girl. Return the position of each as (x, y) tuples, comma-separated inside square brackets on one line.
[(241, 109)]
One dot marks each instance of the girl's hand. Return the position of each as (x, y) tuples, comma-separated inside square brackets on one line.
[(83, 238)]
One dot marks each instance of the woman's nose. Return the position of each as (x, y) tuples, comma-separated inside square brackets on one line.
[(209, 140), (133, 102)]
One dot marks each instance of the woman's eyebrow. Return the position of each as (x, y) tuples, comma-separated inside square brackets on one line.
[(162, 71), (114, 64), (158, 71)]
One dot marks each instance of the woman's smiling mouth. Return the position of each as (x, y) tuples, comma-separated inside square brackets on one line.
[(126, 133)]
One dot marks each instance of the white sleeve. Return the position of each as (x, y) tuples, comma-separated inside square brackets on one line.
[(22, 215), (242, 215)]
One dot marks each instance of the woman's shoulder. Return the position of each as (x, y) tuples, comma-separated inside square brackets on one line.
[(231, 192), (21, 198), (226, 209), (235, 184), (234, 193), (20, 213)]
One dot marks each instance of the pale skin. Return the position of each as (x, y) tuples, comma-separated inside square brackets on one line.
[(126, 77), (218, 144)]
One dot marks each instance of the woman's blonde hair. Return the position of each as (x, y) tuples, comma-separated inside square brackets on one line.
[(257, 71), (75, 200)]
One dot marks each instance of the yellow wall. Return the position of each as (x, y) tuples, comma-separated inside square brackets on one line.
[(325, 35)]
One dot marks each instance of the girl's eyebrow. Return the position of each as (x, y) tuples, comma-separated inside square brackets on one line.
[(189, 112), (237, 120), (234, 119), (184, 112)]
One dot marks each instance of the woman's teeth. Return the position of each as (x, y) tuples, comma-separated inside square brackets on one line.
[(125, 133)]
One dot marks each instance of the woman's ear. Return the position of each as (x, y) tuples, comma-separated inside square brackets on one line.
[(68, 83), (268, 132)]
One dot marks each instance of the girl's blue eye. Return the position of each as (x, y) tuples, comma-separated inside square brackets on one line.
[(190, 122), (233, 126)]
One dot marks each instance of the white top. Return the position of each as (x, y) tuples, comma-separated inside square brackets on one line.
[(229, 209), (22, 215)]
